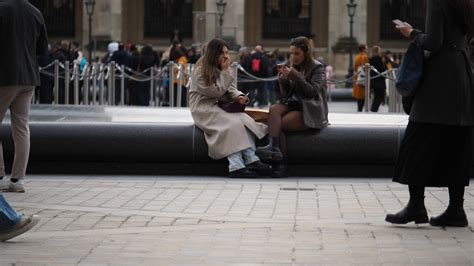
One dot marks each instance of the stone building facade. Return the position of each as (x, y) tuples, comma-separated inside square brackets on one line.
[(271, 23)]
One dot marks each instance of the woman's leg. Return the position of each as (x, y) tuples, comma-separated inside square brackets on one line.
[(415, 209), (360, 105), (272, 150), (291, 121), (251, 161), (454, 215)]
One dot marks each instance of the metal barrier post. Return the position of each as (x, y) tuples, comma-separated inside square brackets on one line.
[(101, 84), (56, 81), (85, 99), (77, 77), (367, 87), (235, 70), (171, 67), (180, 85), (94, 83), (67, 80), (122, 86), (152, 83), (111, 84)]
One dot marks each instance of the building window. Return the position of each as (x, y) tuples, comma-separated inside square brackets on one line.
[(412, 11), (284, 19), (164, 17), (59, 16)]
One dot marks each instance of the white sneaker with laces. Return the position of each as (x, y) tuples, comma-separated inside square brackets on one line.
[(18, 187)]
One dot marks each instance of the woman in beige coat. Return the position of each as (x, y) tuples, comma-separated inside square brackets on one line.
[(230, 135)]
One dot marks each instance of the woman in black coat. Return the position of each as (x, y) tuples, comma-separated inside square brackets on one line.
[(377, 85), (437, 149)]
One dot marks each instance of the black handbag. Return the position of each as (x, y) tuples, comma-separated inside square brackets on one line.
[(231, 107), (410, 71)]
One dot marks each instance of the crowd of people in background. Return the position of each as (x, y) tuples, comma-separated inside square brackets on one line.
[(259, 67)]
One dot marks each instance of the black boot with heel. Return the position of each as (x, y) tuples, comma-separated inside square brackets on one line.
[(454, 215), (415, 210), (271, 152)]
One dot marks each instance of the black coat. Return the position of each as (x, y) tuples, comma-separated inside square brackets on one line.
[(446, 92), (22, 38)]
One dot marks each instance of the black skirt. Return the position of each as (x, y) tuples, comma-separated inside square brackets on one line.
[(435, 155)]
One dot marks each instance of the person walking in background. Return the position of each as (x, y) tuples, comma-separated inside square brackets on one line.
[(258, 65), (436, 150), (358, 91), (302, 82), (377, 85), (23, 26), (228, 134)]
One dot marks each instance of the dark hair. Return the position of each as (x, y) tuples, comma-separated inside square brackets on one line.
[(303, 43), (463, 14), (362, 47), (209, 62)]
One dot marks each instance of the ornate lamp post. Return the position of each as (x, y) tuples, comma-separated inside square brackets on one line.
[(351, 8), (220, 11), (90, 11)]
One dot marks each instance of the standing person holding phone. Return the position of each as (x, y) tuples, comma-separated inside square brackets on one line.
[(437, 149), (227, 134), (303, 82)]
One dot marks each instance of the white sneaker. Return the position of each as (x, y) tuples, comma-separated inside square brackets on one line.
[(25, 224), (18, 187), (4, 184)]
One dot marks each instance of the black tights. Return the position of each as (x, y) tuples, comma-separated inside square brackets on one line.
[(456, 194), (283, 118)]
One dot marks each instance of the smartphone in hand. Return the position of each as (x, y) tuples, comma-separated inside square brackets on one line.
[(398, 22), (279, 66)]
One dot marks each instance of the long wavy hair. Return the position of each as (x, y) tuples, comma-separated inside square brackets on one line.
[(304, 44), (209, 62), (463, 11)]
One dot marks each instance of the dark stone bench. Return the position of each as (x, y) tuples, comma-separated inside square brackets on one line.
[(179, 148)]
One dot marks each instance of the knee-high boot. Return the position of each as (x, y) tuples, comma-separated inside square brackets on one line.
[(271, 152), (414, 211), (454, 215)]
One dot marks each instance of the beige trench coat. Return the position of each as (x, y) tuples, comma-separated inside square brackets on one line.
[(224, 132)]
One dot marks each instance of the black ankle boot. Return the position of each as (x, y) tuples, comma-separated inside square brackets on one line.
[(414, 211), (454, 215), (271, 152)]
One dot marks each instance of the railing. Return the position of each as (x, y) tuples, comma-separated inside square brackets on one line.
[(100, 84)]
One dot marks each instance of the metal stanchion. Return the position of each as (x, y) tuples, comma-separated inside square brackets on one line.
[(77, 78), (111, 84), (171, 67), (56, 81), (367, 87), (85, 99), (180, 85), (152, 83), (94, 83), (101, 84), (67, 80), (122, 86)]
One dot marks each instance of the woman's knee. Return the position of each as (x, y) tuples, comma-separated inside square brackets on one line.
[(278, 109)]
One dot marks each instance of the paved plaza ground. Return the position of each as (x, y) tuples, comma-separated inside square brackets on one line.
[(150, 220)]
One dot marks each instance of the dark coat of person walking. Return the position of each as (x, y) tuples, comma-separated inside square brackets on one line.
[(437, 149)]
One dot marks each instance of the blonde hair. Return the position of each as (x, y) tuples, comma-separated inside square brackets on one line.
[(376, 51)]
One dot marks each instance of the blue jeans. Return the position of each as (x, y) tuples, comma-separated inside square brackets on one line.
[(240, 159), (8, 217)]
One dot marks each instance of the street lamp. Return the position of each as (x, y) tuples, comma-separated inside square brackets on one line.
[(90, 11), (351, 8), (220, 11)]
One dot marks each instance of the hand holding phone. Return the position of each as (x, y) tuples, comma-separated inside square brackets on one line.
[(398, 22)]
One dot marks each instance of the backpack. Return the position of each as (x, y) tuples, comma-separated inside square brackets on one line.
[(256, 65)]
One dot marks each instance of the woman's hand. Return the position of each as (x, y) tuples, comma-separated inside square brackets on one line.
[(405, 29), (284, 71), (243, 99)]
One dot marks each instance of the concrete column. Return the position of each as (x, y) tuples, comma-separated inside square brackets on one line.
[(106, 21)]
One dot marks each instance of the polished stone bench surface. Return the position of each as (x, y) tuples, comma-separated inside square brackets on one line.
[(115, 140)]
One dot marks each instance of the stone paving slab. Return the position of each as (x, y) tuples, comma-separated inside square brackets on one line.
[(137, 220)]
